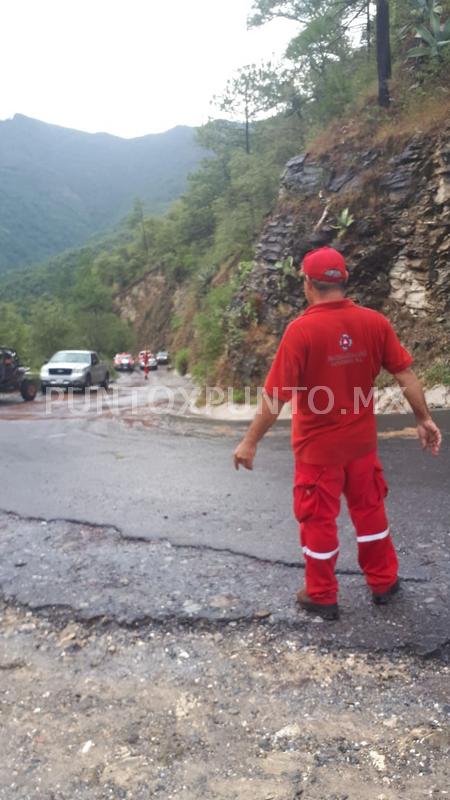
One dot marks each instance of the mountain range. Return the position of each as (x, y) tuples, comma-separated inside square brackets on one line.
[(60, 186)]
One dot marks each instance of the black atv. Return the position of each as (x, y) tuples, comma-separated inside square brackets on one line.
[(14, 377)]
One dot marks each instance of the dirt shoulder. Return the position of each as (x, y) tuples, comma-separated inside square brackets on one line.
[(92, 712)]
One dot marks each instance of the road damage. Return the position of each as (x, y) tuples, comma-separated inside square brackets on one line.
[(157, 629)]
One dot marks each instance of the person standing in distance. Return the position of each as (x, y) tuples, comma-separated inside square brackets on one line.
[(326, 365), (146, 359)]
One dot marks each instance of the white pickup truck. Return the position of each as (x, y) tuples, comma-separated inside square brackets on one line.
[(79, 369)]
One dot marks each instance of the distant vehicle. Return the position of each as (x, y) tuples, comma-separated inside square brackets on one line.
[(152, 362), (124, 362), (162, 357), (141, 357), (78, 369), (14, 377)]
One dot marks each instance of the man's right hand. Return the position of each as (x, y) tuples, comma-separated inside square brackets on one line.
[(264, 418), (429, 435), (244, 455)]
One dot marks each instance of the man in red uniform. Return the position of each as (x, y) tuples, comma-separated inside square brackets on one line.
[(146, 359), (326, 365)]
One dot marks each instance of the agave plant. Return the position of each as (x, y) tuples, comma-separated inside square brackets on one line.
[(434, 35), (344, 221)]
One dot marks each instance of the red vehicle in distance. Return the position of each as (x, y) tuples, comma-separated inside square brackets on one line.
[(124, 362)]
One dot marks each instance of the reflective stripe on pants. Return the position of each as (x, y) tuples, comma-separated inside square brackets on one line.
[(317, 493)]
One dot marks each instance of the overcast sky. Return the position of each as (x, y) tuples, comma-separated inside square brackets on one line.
[(129, 67)]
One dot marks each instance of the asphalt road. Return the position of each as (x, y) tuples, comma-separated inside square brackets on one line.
[(136, 514)]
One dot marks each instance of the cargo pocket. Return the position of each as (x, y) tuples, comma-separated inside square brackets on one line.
[(306, 492), (305, 501)]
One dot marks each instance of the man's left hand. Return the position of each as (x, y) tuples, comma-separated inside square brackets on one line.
[(429, 435)]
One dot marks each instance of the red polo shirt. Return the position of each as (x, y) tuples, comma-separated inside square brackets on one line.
[(326, 364)]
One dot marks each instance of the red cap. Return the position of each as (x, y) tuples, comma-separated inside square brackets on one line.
[(325, 264)]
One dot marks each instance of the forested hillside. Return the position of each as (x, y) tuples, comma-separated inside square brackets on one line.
[(59, 186), (361, 103)]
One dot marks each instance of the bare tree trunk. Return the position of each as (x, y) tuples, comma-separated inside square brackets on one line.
[(383, 52), (368, 30)]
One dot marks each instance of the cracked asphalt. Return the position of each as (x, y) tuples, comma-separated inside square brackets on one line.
[(141, 517), (149, 641)]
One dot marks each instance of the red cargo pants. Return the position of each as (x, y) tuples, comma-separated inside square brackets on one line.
[(317, 492)]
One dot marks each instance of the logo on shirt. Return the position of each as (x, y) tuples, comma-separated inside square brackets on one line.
[(345, 342)]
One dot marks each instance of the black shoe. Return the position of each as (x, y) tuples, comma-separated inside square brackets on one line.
[(328, 611), (383, 598)]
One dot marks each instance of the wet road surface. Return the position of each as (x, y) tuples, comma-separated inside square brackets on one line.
[(135, 514)]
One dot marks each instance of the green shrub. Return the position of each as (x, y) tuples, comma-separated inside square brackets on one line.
[(14, 332), (182, 361), (243, 270), (199, 372), (210, 327), (239, 396), (438, 372)]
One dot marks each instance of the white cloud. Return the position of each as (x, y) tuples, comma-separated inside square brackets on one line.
[(128, 67)]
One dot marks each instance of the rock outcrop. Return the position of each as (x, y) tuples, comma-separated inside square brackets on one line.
[(398, 247)]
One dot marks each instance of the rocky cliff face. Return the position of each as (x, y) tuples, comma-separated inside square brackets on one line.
[(398, 248), (150, 304)]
